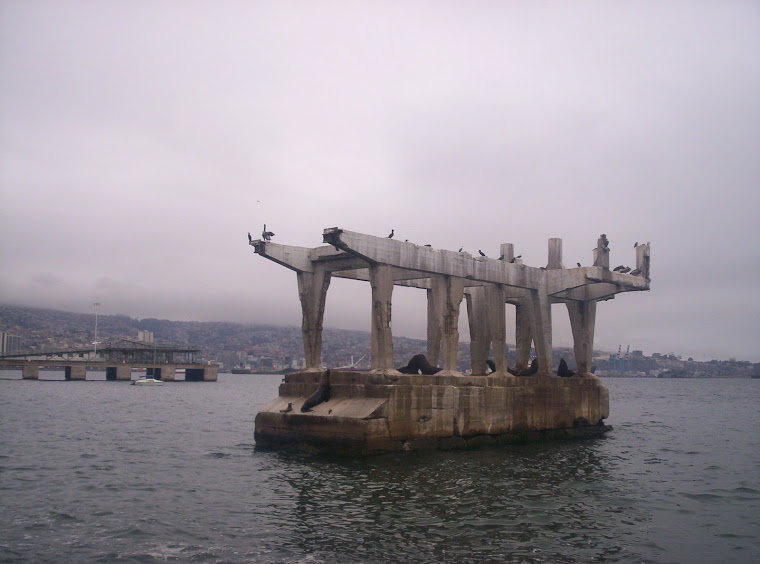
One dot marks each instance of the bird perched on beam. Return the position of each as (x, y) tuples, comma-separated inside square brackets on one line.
[(579, 264), (482, 254), (515, 258), (250, 239), (391, 235), (618, 268), (626, 270), (636, 244), (636, 272), (266, 235)]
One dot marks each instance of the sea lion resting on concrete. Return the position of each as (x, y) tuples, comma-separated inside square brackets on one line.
[(563, 371), (419, 364), (533, 369), (492, 365), (321, 395)]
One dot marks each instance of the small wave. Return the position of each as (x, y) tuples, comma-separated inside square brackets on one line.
[(218, 455)]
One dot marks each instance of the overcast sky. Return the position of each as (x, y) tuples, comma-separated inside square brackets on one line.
[(141, 141)]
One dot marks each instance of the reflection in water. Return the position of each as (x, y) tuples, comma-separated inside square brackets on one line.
[(477, 505)]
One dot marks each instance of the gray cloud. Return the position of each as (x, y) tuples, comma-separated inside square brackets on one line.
[(140, 144)]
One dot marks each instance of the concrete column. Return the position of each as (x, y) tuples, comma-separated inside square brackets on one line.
[(507, 251), (555, 254), (124, 372), (523, 336), (642, 260), (480, 338), (433, 328), (30, 372), (582, 322), (168, 372), (210, 373), (602, 252), (312, 291), (497, 325), (75, 372), (451, 291), (539, 307), (381, 281)]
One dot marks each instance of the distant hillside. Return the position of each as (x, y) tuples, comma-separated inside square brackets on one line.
[(223, 341)]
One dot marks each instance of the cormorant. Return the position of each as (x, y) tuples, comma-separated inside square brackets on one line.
[(515, 258), (579, 264), (428, 245), (391, 235), (482, 254), (501, 257), (618, 268), (266, 235), (636, 272), (626, 270), (250, 239), (636, 244), (460, 249)]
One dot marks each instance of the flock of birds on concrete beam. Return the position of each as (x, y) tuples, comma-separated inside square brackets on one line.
[(267, 236)]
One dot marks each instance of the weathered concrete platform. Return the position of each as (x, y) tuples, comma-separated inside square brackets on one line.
[(383, 411)]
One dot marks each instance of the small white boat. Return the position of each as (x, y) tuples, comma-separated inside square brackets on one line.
[(147, 382)]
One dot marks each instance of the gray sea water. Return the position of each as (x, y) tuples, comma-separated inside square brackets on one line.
[(106, 472)]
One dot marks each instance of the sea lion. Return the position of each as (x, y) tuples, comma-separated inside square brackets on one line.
[(562, 370), (419, 364), (321, 395), (533, 369)]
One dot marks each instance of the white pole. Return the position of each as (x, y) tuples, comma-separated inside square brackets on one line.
[(97, 305)]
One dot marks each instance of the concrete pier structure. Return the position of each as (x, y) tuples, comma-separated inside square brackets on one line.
[(498, 404)]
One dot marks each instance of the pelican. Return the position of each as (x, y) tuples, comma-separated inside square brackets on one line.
[(266, 235)]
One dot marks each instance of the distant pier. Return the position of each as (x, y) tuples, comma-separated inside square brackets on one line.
[(118, 362)]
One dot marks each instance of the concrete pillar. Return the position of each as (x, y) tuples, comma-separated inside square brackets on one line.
[(507, 251), (75, 372), (582, 322), (480, 338), (539, 307), (312, 291), (30, 372), (381, 281), (523, 336), (210, 373), (555, 254), (451, 290), (434, 325), (497, 325), (124, 372), (602, 252), (642, 260), (168, 372)]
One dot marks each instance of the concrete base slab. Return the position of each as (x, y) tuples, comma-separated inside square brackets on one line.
[(370, 412)]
